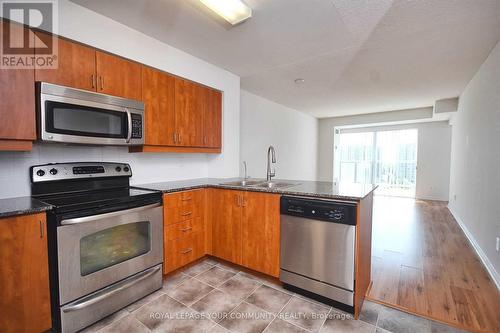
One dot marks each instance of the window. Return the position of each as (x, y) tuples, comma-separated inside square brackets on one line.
[(385, 158)]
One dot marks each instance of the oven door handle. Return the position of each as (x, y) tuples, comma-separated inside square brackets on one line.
[(85, 219), (129, 125), (92, 299)]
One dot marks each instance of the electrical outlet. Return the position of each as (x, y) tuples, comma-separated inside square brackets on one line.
[(498, 244)]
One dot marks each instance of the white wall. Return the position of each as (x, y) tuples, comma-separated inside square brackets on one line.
[(475, 161), (293, 134), (88, 27)]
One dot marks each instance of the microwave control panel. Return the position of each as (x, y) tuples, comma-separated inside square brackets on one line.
[(136, 126)]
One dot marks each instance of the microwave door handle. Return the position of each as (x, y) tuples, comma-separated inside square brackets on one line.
[(129, 125)]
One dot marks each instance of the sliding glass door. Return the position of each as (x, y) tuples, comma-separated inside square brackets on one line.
[(385, 158)]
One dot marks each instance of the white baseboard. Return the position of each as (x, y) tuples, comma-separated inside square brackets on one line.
[(486, 262)]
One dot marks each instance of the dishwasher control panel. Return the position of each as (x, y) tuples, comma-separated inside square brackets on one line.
[(324, 210)]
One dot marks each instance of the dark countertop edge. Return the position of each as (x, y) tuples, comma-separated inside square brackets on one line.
[(261, 190), (39, 207)]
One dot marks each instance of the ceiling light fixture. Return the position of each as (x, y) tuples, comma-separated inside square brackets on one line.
[(233, 11), (299, 81)]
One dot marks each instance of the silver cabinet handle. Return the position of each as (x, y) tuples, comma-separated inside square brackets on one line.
[(92, 78), (175, 138), (186, 229), (186, 213), (101, 80), (106, 215), (99, 296), (129, 124)]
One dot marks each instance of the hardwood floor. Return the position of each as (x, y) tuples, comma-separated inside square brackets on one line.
[(424, 264)]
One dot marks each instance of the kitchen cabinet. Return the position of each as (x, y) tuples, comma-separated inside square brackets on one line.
[(181, 116), (83, 67), (189, 113), (184, 228), (158, 90), (212, 118), (24, 277), (226, 225), (245, 229), (17, 102), (76, 64), (118, 76), (261, 232)]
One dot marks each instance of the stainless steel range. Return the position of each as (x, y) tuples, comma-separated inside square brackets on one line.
[(105, 240)]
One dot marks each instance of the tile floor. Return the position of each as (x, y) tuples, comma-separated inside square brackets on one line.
[(213, 297)]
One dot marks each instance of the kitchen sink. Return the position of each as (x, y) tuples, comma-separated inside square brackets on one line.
[(272, 185), (243, 183)]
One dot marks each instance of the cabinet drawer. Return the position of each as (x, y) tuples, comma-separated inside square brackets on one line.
[(183, 206), (184, 228), (183, 250)]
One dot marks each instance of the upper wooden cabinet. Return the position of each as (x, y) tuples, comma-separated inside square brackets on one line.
[(83, 67), (212, 118), (76, 65), (17, 102), (24, 277), (189, 100), (118, 76), (158, 90), (181, 115), (261, 232)]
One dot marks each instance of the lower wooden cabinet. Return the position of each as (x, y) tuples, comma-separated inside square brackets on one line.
[(226, 225), (246, 229), (241, 227), (261, 232), (184, 228), (24, 277)]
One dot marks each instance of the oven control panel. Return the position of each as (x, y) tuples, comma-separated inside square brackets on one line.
[(78, 170)]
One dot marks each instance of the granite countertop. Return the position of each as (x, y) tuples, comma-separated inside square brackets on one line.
[(22, 206), (325, 190)]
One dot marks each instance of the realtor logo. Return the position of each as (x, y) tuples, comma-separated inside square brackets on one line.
[(21, 46)]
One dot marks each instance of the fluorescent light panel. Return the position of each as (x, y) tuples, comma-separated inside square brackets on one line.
[(233, 11)]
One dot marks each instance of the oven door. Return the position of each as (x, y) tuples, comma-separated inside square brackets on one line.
[(70, 120), (96, 251)]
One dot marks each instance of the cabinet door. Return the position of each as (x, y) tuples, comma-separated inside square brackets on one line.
[(76, 65), (17, 98), (118, 77), (226, 225), (212, 119), (158, 91), (261, 232), (188, 113), (24, 277)]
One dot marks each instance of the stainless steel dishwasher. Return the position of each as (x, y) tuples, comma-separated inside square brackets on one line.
[(317, 249)]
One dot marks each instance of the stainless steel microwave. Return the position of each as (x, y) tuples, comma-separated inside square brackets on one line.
[(71, 115)]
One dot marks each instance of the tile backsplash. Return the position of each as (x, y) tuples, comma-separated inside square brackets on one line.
[(146, 167)]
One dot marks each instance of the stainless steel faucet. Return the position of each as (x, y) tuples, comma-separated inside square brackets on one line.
[(245, 168), (271, 157)]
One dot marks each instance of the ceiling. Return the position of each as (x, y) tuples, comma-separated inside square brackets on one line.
[(356, 56)]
